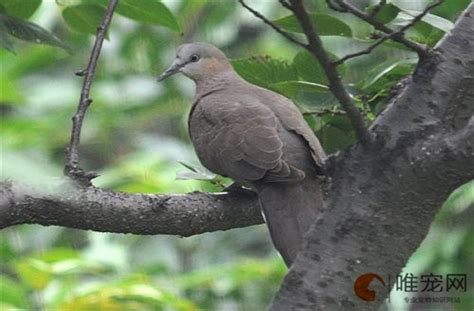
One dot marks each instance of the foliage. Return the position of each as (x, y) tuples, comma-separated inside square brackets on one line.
[(135, 136), (325, 24)]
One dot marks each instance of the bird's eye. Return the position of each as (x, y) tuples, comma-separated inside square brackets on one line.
[(194, 58)]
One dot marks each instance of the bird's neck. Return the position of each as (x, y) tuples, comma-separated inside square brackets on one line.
[(216, 82)]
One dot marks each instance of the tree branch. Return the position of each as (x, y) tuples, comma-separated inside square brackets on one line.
[(389, 35), (421, 50), (275, 27), (333, 111), (72, 168), (376, 9), (382, 201), (107, 211), (315, 46), (363, 52)]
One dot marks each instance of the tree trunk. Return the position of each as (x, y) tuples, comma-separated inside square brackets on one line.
[(382, 201)]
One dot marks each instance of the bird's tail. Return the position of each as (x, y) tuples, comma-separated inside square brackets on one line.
[(289, 210)]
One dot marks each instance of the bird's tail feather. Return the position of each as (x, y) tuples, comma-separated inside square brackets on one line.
[(289, 210)]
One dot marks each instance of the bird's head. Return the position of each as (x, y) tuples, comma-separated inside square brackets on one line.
[(197, 61)]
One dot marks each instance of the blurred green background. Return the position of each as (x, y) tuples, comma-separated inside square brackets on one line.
[(135, 135)]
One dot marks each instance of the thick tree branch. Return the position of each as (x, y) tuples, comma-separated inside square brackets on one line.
[(108, 211), (72, 168), (315, 46), (382, 201)]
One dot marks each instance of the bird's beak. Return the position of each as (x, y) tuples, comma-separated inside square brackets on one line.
[(174, 68)]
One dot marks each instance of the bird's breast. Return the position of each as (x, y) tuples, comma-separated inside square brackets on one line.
[(203, 133)]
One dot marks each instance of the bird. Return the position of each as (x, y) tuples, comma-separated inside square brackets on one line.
[(256, 137)]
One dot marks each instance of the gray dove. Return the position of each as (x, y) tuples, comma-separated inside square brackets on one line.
[(256, 137)]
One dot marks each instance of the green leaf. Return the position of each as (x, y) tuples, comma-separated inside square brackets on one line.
[(152, 297), (395, 67), (336, 134), (58, 255), (145, 11), (35, 273), (438, 22), (199, 173), (386, 14), (20, 8), (12, 293), (196, 175), (325, 25), (308, 68), (66, 3), (374, 74), (291, 88), (148, 11), (28, 31), (5, 41), (264, 70), (84, 18), (450, 9), (9, 92)]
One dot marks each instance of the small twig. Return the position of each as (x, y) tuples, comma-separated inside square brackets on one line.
[(315, 47), (394, 35), (322, 112), (334, 7), (363, 52), (72, 168), (377, 8), (275, 27), (81, 73), (390, 35), (285, 4)]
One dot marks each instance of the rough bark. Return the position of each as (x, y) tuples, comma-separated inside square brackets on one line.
[(382, 201), (109, 211)]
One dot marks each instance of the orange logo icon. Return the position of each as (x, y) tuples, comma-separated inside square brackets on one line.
[(361, 286)]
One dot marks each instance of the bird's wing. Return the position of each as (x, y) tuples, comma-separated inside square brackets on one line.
[(293, 120), (245, 140)]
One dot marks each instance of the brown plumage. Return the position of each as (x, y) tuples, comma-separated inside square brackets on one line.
[(256, 137)]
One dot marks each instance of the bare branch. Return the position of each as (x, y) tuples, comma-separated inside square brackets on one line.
[(390, 35), (422, 50), (377, 8), (275, 27), (363, 52), (315, 46), (334, 7), (332, 111), (72, 168), (285, 4)]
